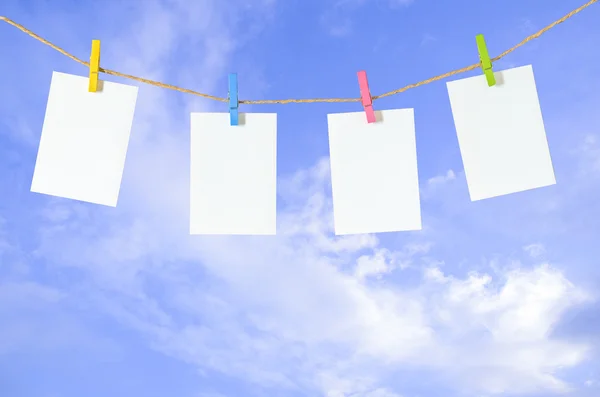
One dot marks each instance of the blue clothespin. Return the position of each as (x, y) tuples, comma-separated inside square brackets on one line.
[(233, 98)]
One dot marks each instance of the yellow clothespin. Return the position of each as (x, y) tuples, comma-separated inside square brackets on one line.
[(486, 62), (94, 66)]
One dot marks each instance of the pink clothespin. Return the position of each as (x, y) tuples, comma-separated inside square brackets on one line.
[(365, 95)]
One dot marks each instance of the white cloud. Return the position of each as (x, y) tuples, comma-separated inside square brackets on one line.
[(590, 151), (370, 265), (288, 315), (428, 39), (441, 179), (17, 294), (535, 250), (35, 319), (505, 329), (434, 185)]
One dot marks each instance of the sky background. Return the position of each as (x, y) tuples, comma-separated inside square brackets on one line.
[(495, 297)]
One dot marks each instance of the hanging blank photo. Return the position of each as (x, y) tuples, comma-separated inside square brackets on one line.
[(84, 140), (233, 174), (501, 133), (374, 178)]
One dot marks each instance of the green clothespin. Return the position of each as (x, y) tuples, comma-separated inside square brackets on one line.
[(486, 62)]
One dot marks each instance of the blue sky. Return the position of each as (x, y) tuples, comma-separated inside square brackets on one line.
[(496, 297)]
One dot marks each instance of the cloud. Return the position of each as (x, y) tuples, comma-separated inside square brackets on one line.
[(535, 250), (302, 310), (441, 179), (515, 352), (428, 39), (590, 153), (37, 319)]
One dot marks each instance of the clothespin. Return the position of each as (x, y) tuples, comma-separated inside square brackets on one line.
[(365, 96), (94, 66), (486, 62), (233, 99)]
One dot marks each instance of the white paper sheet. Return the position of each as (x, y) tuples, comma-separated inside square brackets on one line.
[(374, 176), (501, 133), (233, 174), (84, 140)]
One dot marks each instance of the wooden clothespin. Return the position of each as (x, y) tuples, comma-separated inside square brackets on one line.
[(233, 99), (365, 96), (486, 62), (94, 66)]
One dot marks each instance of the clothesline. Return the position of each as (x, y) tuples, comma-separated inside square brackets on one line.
[(286, 101)]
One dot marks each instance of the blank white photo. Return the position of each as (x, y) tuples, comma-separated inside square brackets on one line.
[(84, 140), (501, 133), (233, 174), (374, 177)]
